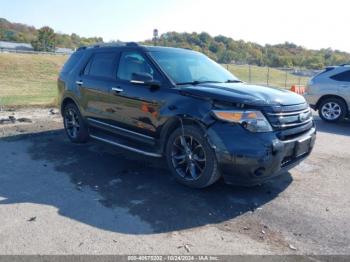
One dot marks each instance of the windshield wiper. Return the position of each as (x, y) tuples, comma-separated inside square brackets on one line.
[(196, 82), (233, 81)]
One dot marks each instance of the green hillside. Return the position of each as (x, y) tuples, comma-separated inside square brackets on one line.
[(29, 79), (227, 50), (17, 32)]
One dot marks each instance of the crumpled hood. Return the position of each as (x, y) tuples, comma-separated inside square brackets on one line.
[(244, 93)]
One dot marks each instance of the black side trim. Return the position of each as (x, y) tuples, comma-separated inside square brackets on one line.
[(121, 131)]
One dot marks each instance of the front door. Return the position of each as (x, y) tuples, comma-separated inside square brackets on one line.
[(138, 105)]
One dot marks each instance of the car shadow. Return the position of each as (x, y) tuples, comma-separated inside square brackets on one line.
[(341, 128), (125, 182)]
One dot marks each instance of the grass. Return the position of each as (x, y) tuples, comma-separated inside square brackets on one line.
[(277, 78), (27, 79)]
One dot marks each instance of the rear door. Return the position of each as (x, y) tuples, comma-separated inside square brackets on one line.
[(95, 82), (343, 85)]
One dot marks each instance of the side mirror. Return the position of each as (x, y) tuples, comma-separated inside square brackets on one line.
[(144, 79)]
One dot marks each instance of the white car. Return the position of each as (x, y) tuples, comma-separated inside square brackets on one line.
[(329, 93)]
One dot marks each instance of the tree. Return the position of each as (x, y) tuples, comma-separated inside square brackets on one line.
[(46, 40), (227, 57), (205, 38), (226, 50)]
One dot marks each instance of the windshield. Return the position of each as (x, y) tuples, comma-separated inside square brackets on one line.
[(192, 68)]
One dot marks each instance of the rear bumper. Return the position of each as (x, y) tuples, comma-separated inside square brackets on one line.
[(312, 100), (249, 159)]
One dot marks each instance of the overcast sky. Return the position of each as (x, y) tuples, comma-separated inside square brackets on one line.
[(310, 23)]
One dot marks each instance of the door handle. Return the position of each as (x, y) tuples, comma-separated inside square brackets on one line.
[(117, 89), (344, 85), (79, 83)]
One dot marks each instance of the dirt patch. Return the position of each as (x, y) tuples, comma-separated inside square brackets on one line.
[(248, 225), (15, 121)]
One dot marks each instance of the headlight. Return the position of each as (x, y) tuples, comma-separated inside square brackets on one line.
[(253, 121)]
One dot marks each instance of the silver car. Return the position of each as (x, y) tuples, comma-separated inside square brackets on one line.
[(329, 93)]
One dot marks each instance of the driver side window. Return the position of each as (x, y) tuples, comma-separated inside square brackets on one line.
[(133, 62)]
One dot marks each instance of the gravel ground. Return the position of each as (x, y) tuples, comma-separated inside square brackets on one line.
[(60, 198)]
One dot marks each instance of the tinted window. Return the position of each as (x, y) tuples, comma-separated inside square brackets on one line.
[(72, 61), (328, 69), (102, 65), (87, 68), (133, 62), (344, 77)]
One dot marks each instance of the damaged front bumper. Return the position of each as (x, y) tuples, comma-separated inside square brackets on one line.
[(249, 159)]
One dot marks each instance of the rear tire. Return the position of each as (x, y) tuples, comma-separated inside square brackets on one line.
[(191, 159), (332, 109), (74, 124)]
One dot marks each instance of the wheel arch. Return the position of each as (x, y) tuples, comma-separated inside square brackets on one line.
[(176, 121), (66, 101), (322, 98)]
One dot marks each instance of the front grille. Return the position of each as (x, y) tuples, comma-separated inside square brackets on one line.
[(290, 121)]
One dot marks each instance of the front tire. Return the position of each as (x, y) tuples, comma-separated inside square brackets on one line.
[(74, 124), (191, 159), (332, 109)]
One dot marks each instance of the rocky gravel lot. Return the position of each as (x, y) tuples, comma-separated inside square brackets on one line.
[(61, 198)]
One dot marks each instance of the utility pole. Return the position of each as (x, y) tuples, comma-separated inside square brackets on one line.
[(268, 76), (155, 36), (250, 73), (286, 78)]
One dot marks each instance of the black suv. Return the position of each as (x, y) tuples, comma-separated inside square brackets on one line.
[(179, 104)]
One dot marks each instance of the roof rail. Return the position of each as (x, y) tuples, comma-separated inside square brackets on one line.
[(81, 48), (132, 44), (114, 44), (346, 64), (107, 44)]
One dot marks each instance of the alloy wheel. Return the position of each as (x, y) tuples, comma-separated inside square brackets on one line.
[(72, 123), (188, 157), (331, 111)]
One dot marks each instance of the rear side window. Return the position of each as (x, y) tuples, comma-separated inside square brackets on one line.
[(328, 69), (343, 77), (101, 65), (73, 60)]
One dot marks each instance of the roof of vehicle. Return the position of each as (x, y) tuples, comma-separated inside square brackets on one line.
[(330, 71), (337, 66), (133, 45), (168, 49)]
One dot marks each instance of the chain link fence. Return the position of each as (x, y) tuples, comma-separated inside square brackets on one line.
[(17, 51), (268, 76)]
